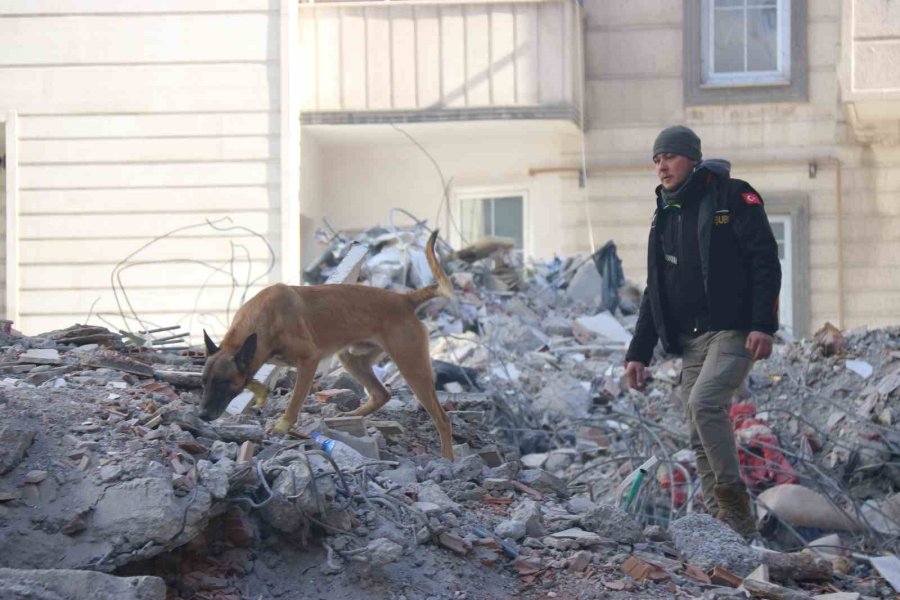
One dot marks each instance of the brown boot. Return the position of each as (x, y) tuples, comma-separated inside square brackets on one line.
[(734, 508)]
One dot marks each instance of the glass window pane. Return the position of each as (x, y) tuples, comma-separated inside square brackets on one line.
[(508, 219), (487, 218), (762, 39), (728, 44), (471, 223), (778, 230), (728, 3), (780, 250)]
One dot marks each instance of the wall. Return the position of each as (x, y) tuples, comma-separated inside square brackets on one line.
[(137, 119), (449, 55), (369, 169), (311, 195), (634, 69), (2, 222)]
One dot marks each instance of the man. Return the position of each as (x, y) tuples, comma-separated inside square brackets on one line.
[(712, 296)]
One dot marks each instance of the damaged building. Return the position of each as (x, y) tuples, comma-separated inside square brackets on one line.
[(164, 162)]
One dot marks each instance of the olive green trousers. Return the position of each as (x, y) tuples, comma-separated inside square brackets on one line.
[(714, 365)]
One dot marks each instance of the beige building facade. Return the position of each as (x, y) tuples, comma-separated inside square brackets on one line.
[(802, 97), (126, 127), (123, 123)]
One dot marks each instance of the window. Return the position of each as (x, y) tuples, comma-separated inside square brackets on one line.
[(781, 227), (746, 42), (744, 51), (501, 216)]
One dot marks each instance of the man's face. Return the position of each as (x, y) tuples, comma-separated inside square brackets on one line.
[(672, 169)]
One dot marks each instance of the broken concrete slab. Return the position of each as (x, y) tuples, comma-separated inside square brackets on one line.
[(511, 529), (429, 491), (584, 539), (602, 325), (41, 356), (612, 523), (800, 506), (14, 442), (529, 513), (563, 397), (706, 542), (64, 584)]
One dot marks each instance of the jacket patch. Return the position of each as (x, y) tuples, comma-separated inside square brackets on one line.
[(721, 219), (671, 259), (751, 198)]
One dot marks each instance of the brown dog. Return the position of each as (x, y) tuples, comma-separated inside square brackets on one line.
[(299, 326)]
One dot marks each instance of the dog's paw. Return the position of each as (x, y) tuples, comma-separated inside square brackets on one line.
[(282, 427)]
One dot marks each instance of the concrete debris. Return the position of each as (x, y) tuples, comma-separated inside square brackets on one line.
[(115, 471), (14, 442), (612, 523), (707, 543), (62, 584), (802, 507)]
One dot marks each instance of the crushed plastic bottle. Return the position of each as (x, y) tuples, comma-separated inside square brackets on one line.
[(345, 456)]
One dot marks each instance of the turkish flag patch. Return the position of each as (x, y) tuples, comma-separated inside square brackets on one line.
[(751, 198)]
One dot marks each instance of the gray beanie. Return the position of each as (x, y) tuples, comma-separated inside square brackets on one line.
[(678, 139)]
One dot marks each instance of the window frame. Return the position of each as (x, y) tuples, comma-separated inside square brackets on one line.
[(780, 76), (698, 93), (796, 206), (461, 195)]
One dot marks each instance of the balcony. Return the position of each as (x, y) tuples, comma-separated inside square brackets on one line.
[(870, 68), (426, 61)]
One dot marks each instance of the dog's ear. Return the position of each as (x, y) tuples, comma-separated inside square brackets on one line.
[(244, 356), (211, 347)]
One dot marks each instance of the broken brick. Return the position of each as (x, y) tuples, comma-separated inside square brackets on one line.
[(245, 454), (641, 570), (453, 543), (528, 565), (722, 576)]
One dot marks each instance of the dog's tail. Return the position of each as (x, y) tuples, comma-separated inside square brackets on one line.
[(443, 287)]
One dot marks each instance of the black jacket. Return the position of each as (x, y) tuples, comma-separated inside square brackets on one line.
[(739, 260)]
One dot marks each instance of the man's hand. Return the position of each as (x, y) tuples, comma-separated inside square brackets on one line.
[(759, 344), (634, 374)]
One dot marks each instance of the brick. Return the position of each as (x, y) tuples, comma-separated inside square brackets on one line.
[(247, 451), (453, 543)]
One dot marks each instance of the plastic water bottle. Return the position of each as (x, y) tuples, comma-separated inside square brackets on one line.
[(323, 442), (345, 456)]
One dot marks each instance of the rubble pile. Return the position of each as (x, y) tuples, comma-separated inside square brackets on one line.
[(565, 483)]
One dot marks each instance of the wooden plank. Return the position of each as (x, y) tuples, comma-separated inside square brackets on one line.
[(92, 7), (149, 201), (148, 175), (143, 88), (403, 40), (221, 124), (214, 322), (96, 276), (328, 49), (308, 53), (126, 225), (216, 250), (527, 58), (121, 150), (453, 53), (120, 39), (162, 298), (503, 54), (353, 58), (428, 57), (378, 55), (551, 53), (478, 66)]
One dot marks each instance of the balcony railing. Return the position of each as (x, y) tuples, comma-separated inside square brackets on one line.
[(439, 60)]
